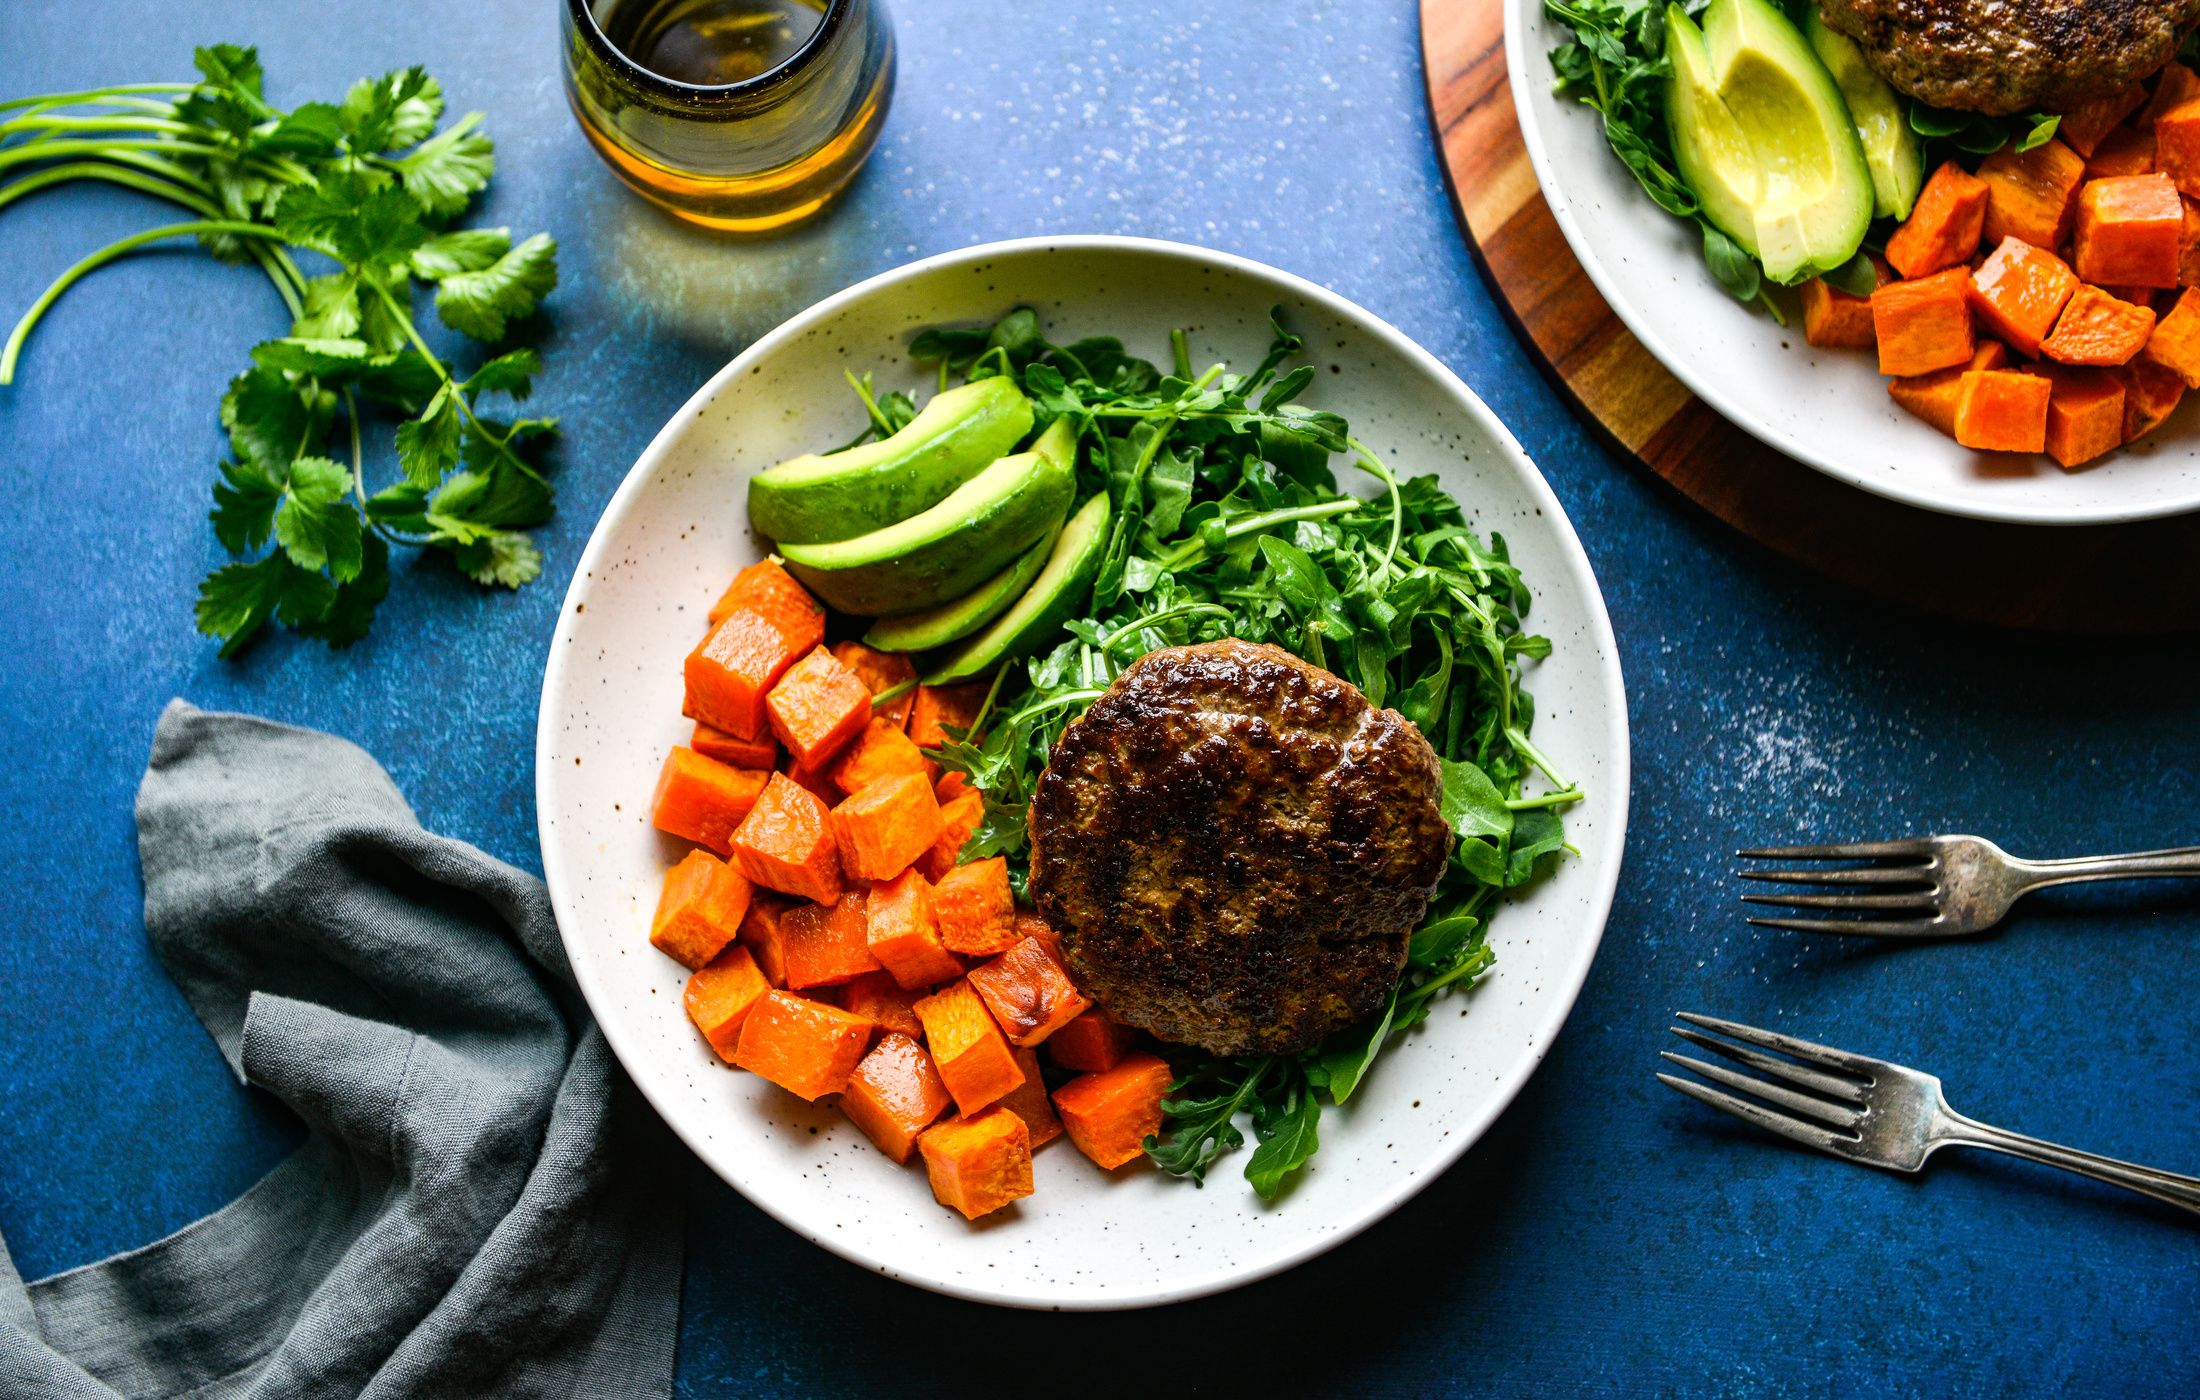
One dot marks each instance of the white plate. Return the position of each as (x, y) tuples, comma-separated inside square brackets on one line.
[(674, 534), (1826, 408)]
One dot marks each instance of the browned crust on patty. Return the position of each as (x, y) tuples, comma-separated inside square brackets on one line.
[(2007, 56)]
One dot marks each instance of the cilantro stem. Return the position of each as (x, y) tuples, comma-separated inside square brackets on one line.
[(49, 149), (91, 262), (42, 121), (412, 333), (56, 99)]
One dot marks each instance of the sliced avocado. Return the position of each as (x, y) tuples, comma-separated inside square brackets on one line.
[(957, 618), (1891, 149), (946, 551), (1763, 136), (840, 495), (1062, 588)]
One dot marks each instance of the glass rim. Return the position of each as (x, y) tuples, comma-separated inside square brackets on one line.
[(582, 13)]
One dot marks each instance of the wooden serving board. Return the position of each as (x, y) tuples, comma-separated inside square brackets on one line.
[(2140, 578)]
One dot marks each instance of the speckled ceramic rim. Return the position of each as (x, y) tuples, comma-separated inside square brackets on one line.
[(1599, 864), (1706, 386)]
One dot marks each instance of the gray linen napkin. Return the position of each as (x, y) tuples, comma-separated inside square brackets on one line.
[(485, 1207)]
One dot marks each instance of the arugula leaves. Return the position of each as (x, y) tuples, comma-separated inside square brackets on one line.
[(1228, 522), (370, 185)]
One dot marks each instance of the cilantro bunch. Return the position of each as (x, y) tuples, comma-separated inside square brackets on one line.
[(1229, 523), (371, 189)]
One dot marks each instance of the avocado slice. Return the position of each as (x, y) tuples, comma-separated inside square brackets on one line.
[(958, 618), (839, 495), (1061, 589), (1762, 134), (946, 551), (1891, 149)]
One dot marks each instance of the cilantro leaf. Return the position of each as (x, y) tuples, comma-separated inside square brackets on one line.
[(482, 302), (446, 170), (311, 355), (316, 525), (460, 250), (331, 308), (350, 612), (267, 417), (312, 129), (244, 507), (501, 557), (427, 447), (357, 218), (391, 112), (511, 373)]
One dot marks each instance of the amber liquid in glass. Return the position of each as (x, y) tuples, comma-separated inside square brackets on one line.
[(720, 156)]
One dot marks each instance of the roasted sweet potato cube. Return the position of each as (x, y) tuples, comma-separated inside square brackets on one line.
[(817, 707), (1943, 227), (2174, 86), (1924, 325), (805, 1047), (2002, 410), (2085, 414), (2177, 145), (882, 829), (880, 751), (827, 944), (759, 755), (767, 588), (786, 843), (950, 786), (700, 909), (761, 933), (1091, 1042), (881, 671), (2019, 291), (2175, 341), (936, 708), (1029, 1101), (2129, 232), (972, 1054), (744, 656), (905, 934), (959, 816), (1028, 992), (1031, 925), (975, 908), (720, 996), (1110, 1114), (1933, 397), (2086, 125), (885, 1003), (2098, 329), (2151, 393), (2032, 194), (703, 800), (814, 781), (1834, 319), (895, 1094), (978, 1164), (2124, 151)]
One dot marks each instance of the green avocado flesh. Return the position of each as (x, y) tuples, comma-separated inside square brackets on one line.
[(1891, 149), (839, 495), (955, 620), (1060, 590), (1763, 136), (946, 551)]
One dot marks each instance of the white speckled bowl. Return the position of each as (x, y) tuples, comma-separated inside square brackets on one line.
[(676, 531), (1826, 408)]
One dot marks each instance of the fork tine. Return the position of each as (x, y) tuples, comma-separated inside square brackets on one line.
[(1833, 1086), (1793, 1129), (1867, 928), (1833, 1115), (1852, 850), (1863, 1065), (1915, 901), (1848, 875)]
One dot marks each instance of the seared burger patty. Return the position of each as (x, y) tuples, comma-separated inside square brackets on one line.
[(2007, 56), (1235, 846)]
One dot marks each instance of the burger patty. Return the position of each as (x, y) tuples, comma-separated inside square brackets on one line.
[(2008, 56), (1235, 847)]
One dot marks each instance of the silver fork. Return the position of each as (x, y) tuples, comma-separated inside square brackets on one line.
[(1941, 886), (1870, 1111)]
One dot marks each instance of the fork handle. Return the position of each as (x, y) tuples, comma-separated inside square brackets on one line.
[(2183, 861), (2168, 1187)]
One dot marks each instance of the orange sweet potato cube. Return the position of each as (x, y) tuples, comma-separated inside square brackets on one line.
[(880, 751), (2151, 393), (881, 671), (885, 827), (2173, 87), (2019, 291), (1029, 1101), (2002, 410), (2129, 231), (2175, 341), (720, 996), (2098, 329), (766, 587), (905, 934), (761, 933), (1933, 397), (975, 908), (978, 1164), (827, 944), (1943, 227), (2031, 194), (700, 909), (757, 754), (2085, 415), (744, 656), (951, 785), (937, 707), (2177, 145), (786, 843), (1834, 319), (817, 707), (959, 816), (1924, 325), (2125, 151), (805, 1047), (1030, 925), (703, 800), (972, 1054), (895, 1094), (1109, 1114), (2086, 125), (884, 1002), (1091, 1042), (1028, 992)]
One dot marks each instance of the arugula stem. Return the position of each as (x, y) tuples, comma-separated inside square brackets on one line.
[(1565, 797), (1534, 755), (1180, 350), (992, 692), (1195, 547), (1139, 624), (893, 692), (1373, 466), (91, 262), (1056, 702), (862, 387)]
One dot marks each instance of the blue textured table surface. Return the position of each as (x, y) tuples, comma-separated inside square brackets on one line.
[(1606, 1236)]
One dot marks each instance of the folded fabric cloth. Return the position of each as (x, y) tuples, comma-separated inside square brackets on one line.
[(485, 1206)]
